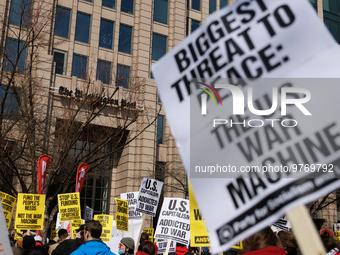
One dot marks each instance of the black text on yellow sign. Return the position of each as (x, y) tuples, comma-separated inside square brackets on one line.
[(122, 215), (8, 203), (30, 211), (106, 221), (69, 206), (150, 232)]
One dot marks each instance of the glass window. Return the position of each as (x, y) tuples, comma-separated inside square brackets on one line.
[(60, 59), (83, 27), (123, 76), (331, 17), (79, 66), (19, 13), (158, 46), (125, 41), (160, 129), (11, 107), (62, 22), (106, 34), (223, 3), (127, 6), (212, 6), (194, 25), (11, 58), (109, 3), (103, 71), (160, 12), (195, 4)]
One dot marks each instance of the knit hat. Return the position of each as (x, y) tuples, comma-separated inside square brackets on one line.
[(27, 242), (128, 242)]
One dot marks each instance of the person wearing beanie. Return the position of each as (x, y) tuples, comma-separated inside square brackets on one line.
[(62, 234), (126, 246), (93, 244)]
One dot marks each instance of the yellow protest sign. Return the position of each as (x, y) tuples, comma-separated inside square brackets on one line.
[(106, 221), (198, 231), (69, 206), (75, 224), (54, 233), (30, 211), (337, 234), (122, 214), (8, 203), (150, 232), (18, 236)]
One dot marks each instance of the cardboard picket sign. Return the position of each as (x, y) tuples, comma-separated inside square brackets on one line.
[(122, 214), (131, 197), (54, 232), (174, 220), (88, 213), (106, 221), (162, 243), (148, 197), (248, 39), (30, 212), (69, 206), (8, 203), (5, 246)]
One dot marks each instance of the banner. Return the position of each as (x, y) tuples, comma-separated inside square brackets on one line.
[(69, 206), (198, 231), (8, 203), (150, 232), (43, 163), (174, 220), (5, 246), (162, 243), (117, 235), (88, 213), (122, 214), (244, 137), (131, 197), (148, 197), (81, 174), (106, 221), (30, 212), (75, 224)]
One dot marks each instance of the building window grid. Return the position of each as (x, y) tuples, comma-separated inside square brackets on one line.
[(160, 13), (123, 76), (19, 13), (79, 66), (12, 49), (196, 5), (194, 25), (127, 6), (125, 39), (160, 129), (159, 46), (62, 22), (104, 71), (109, 3)]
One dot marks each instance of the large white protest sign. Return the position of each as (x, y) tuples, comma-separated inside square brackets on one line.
[(117, 235), (250, 136), (5, 247), (174, 220), (132, 197), (148, 197), (162, 243)]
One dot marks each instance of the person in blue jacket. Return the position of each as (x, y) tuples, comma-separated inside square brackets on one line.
[(93, 245)]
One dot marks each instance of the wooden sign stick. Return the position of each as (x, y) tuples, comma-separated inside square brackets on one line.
[(167, 248), (305, 232)]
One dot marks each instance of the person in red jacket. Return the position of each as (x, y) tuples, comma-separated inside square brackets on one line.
[(264, 242), (147, 249)]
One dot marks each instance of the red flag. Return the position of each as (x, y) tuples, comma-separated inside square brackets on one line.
[(81, 174), (43, 163)]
